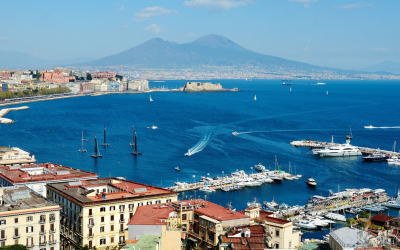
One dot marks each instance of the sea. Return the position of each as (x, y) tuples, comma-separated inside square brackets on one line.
[(204, 122)]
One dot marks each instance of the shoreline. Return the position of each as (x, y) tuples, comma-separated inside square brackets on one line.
[(3, 112)]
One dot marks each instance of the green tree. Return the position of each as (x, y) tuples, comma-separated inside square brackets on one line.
[(85, 247), (351, 221), (14, 247), (89, 76)]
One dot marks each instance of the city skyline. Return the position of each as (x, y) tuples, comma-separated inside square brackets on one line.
[(340, 34)]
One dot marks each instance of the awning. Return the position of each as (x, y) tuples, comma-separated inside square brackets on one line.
[(193, 239)]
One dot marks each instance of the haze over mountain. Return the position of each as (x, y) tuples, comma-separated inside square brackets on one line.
[(22, 59), (386, 66), (207, 50)]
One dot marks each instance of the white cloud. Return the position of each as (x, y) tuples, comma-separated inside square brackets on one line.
[(379, 49), (150, 12), (154, 28), (216, 5), (355, 5), (5, 38), (120, 9)]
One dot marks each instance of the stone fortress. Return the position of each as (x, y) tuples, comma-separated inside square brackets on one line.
[(203, 87)]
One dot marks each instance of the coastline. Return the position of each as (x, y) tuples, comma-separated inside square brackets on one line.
[(3, 112)]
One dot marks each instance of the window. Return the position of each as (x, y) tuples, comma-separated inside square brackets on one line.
[(29, 229), (196, 217), (2, 222), (29, 218), (122, 208), (149, 203), (16, 220), (112, 229), (158, 202), (277, 233), (16, 233), (130, 215), (112, 239), (112, 208), (101, 229), (168, 200), (112, 218), (290, 244), (121, 217), (3, 234), (102, 209), (90, 244), (102, 241), (140, 204), (102, 219), (183, 216), (122, 239), (43, 218), (52, 227), (131, 206), (90, 211), (53, 217)]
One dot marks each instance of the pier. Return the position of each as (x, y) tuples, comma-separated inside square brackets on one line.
[(364, 150)]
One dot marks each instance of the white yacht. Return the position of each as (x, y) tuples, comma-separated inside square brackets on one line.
[(393, 203), (333, 216), (259, 167), (305, 224), (235, 133), (154, 127), (206, 189), (321, 83), (341, 150), (370, 127)]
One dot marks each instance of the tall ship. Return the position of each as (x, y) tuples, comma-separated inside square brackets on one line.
[(341, 150)]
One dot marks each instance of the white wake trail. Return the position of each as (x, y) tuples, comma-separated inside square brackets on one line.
[(200, 145)]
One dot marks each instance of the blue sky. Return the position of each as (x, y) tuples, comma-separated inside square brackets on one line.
[(335, 33)]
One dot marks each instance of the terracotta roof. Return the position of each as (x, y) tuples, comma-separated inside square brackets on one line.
[(256, 241), (381, 218), (150, 215), (276, 220), (218, 212)]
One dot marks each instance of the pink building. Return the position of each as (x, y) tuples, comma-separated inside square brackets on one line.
[(6, 74), (86, 87), (103, 74), (56, 76)]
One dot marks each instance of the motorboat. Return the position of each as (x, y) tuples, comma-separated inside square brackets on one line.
[(334, 216), (154, 127), (235, 133), (255, 98), (288, 177), (206, 189), (259, 167), (306, 224), (369, 127), (268, 180), (273, 206), (376, 157), (177, 168), (299, 176), (311, 182), (321, 83), (276, 178), (392, 160), (341, 150), (392, 204)]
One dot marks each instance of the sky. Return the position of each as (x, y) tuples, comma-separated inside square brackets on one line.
[(345, 34)]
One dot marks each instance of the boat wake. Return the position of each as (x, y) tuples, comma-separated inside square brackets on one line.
[(371, 127), (200, 145), (287, 130)]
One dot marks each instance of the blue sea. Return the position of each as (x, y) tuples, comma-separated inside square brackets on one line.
[(204, 122)]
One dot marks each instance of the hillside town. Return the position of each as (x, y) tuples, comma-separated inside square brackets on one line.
[(61, 80), (51, 206)]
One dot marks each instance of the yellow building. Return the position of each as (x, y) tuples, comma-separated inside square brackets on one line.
[(96, 212), (29, 219), (13, 156), (281, 234)]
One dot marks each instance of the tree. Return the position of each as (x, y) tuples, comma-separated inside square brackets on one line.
[(14, 247), (89, 76), (85, 247)]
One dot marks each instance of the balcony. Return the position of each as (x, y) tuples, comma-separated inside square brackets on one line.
[(121, 243), (51, 242), (91, 225), (52, 219), (42, 232), (90, 235), (29, 245), (121, 231), (90, 215), (122, 211), (42, 221), (52, 231), (122, 221), (42, 243), (16, 236), (3, 238)]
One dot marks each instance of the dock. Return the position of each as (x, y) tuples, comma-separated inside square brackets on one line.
[(364, 150)]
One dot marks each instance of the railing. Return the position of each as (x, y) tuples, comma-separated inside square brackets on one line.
[(52, 219), (16, 235), (121, 243), (90, 215), (173, 229), (122, 221), (42, 232), (3, 238), (121, 231), (51, 231), (30, 245), (42, 221), (42, 243), (90, 235), (52, 241), (91, 225)]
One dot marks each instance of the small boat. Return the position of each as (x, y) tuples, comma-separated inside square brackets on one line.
[(327, 92), (259, 167), (369, 127), (311, 182), (154, 127), (206, 189), (321, 83), (255, 98), (177, 168), (151, 99), (235, 133), (290, 89), (350, 136)]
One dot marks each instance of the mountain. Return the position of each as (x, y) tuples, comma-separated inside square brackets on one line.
[(386, 66), (21, 59), (207, 50)]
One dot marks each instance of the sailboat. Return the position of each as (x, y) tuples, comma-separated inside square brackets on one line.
[(136, 152), (151, 98), (255, 98), (105, 144), (82, 149), (350, 136), (96, 149), (133, 137), (327, 92), (290, 89), (289, 177)]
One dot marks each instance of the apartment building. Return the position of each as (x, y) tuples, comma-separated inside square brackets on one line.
[(12, 155), (96, 212), (281, 234), (29, 219), (36, 176)]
